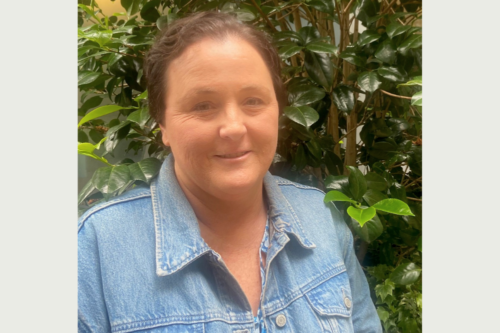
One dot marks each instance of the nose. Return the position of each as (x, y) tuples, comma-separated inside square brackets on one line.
[(233, 125)]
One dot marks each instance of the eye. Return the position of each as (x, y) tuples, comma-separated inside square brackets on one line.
[(204, 106), (253, 101)]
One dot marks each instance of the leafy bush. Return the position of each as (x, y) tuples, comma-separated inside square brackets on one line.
[(353, 126)]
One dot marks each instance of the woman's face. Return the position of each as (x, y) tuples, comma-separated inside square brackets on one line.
[(221, 117)]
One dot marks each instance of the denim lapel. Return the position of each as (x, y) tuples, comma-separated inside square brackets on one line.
[(178, 239), (282, 215)]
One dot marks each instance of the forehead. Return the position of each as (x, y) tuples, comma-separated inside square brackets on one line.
[(230, 58)]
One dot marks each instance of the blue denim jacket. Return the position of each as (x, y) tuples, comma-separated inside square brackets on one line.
[(143, 266)]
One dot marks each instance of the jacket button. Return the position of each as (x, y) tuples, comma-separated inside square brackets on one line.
[(281, 320), (347, 302)]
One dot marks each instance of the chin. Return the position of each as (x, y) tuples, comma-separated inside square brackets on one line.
[(234, 187)]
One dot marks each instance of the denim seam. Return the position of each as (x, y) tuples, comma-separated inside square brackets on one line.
[(324, 276), (146, 324), (341, 311), (158, 240), (304, 187), (93, 210)]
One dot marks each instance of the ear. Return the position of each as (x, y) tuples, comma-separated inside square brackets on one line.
[(164, 136)]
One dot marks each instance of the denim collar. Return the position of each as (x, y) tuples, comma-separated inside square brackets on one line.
[(178, 239)]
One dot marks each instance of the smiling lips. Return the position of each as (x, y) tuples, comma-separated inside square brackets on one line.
[(234, 155)]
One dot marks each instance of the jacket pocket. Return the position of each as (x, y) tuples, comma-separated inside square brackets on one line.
[(332, 303)]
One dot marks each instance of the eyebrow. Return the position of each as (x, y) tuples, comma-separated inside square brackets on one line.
[(210, 91)]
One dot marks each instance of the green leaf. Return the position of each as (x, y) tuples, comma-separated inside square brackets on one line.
[(87, 77), (303, 115), (343, 98), (417, 99), (411, 42), (375, 181), (398, 191), (393, 206), (82, 136), (110, 179), (338, 183), (365, 9), (89, 104), (116, 128), (361, 215), (382, 314), (367, 37), (333, 163), (99, 112), (293, 35), (132, 6), (145, 170), (305, 94), (391, 73), (386, 52), (338, 196), (370, 231), (395, 16), (142, 96), (149, 11), (417, 81), (319, 68), (90, 12), (95, 135), (300, 158), (419, 244), (85, 192), (320, 47), (289, 50), (406, 274), (309, 34), (83, 49), (322, 6), (139, 117), (369, 81), (101, 37), (353, 58), (384, 290), (372, 196), (87, 149), (396, 29), (357, 183)]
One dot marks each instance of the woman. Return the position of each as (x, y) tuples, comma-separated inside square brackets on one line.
[(217, 244)]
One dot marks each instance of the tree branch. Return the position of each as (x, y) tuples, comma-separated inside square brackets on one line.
[(413, 182), (264, 16), (393, 95), (348, 6)]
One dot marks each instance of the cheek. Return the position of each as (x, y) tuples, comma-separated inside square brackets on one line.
[(266, 134), (189, 139)]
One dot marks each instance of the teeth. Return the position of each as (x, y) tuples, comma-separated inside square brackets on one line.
[(233, 155)]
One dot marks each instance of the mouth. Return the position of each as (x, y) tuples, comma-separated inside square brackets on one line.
[(234, 155)]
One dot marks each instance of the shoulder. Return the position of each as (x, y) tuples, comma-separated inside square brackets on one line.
[(127, 205), (322, 220), (303, 197), (287, 186)]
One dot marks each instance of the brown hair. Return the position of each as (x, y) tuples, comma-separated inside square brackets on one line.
[(171, 42)]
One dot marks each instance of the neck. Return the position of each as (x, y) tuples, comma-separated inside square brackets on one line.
[(229, 226)]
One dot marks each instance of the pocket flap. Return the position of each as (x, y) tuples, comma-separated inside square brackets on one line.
[(332, 297)]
